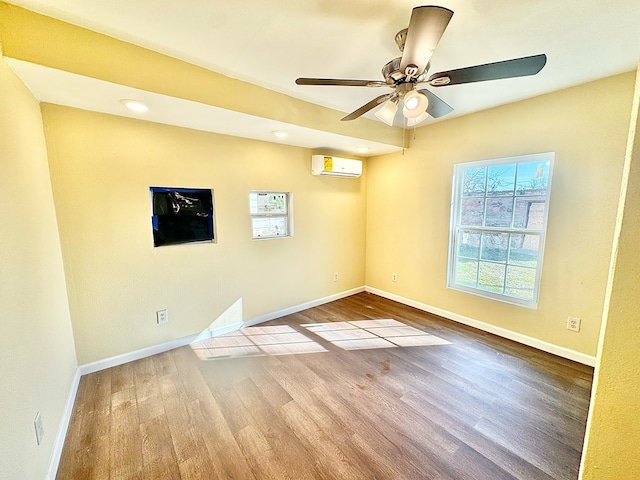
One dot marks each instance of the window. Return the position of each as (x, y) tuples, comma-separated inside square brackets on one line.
[(181, 215), (498, 224), (270, 214)]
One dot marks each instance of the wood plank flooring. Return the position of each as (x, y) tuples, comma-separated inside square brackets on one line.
[(478, 408)]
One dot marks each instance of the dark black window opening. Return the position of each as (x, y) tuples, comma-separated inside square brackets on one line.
[(181, 215)]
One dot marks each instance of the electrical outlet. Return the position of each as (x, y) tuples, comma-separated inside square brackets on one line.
[(162, 317), (37, 423), (573, 324), (335, 277), (394, 277)]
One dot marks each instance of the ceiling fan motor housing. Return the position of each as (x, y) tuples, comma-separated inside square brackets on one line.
[(401, 38), (393, 75), (391, 71)]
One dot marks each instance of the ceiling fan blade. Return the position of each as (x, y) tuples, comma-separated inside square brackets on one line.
[(437, 107), (367, 106), (425, 29), (517, 67), (339, 82)]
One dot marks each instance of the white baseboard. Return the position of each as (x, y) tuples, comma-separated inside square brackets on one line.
[(63, 426), (303, 306), (486, 327), (181, 342), (214, 332), (135, 355)]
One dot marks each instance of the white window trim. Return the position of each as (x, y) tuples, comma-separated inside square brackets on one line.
[(288, 216), (456, 195)]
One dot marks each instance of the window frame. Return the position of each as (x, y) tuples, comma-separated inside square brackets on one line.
[(456, 227), (287, 216)]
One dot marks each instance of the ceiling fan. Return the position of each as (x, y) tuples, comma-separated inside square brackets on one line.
[(404, 74)]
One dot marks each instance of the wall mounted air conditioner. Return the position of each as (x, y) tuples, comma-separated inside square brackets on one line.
[(335, 166)]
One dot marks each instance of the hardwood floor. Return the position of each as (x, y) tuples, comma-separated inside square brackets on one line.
[(479, 407)]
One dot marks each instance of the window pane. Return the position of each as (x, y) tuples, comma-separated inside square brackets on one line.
[(520, 282), (472, 211), (494, 246), (524, 250), (501, 179), (265, 203), (473, 182), (498, 221), (468, 244), (491, 277), (269, 227), (533, 178), (467, 272), (499, 212), (529, 213)]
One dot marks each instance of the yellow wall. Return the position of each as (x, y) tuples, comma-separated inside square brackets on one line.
[(42, 40), (408, 207), (612, 444), (37, 356), (101, 170)]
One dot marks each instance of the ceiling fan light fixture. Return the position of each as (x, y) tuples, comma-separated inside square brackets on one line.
[(415, 104), (411, 103), (388, 111), (412, 122)]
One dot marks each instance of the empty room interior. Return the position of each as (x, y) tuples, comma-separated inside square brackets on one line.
[(231, 282)]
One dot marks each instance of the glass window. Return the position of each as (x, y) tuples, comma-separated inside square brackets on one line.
[(270, 214), (498, 226), (181, 215)]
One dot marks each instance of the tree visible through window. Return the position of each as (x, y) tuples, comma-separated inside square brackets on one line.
[(498, 224)]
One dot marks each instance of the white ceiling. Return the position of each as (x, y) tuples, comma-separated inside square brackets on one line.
[(272, 42)]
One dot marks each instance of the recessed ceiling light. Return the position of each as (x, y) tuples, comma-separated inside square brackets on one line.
[(279, 133), (134, 105), (362, 149)]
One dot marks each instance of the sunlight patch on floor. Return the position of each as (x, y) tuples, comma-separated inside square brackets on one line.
[(256, 341), (286, 340), (363, 334)]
